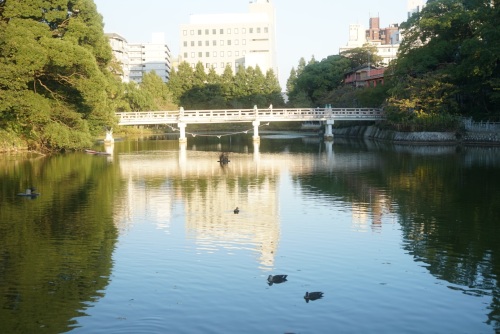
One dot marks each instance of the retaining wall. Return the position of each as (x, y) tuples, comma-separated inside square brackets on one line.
[(416, 137)]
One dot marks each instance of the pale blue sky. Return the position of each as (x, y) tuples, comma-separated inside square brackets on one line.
[(303, 28)]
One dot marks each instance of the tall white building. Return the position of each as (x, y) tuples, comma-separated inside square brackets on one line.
[(218, 40), (137, 59)]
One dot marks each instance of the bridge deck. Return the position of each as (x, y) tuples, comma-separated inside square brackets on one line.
[(248, 115)]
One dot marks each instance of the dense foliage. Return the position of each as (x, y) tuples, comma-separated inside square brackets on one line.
[(448, 61), (55, 87), (318, 83), (196, 89)]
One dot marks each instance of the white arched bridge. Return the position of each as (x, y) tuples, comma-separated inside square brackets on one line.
[(255, 116)]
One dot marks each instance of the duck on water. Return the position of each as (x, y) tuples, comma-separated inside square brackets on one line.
[(30, 192), (276, 279)]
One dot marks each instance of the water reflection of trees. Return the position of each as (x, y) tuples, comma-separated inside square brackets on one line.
[(449, 209), (55, 251)]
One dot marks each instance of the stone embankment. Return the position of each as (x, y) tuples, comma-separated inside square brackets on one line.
[(372, 132)]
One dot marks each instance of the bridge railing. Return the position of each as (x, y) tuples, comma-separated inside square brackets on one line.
[(247, 115)]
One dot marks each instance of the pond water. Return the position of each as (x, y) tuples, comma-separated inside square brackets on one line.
[(399, 239)]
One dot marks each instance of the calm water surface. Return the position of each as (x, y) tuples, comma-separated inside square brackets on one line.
[(399, 239)]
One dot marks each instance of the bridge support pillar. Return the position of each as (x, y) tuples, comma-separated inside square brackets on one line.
[(256, 125), (182, 130), (328, 129)]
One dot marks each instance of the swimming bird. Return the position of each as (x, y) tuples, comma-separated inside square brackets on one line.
[(276, 279), (313, 296), (236, 211)]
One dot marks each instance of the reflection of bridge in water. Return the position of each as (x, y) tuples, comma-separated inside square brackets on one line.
[(209, 192)]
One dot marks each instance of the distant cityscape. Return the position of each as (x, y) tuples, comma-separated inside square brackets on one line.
[(238, 39)]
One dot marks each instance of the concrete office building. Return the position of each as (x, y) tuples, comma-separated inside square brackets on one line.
[(139, 58), (218, 40)]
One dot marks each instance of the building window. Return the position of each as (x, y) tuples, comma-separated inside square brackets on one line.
[(199, 43), (236, 53), (221, 31), (266, 30), (235, 30), (199, 31), (184, 32), (222, 65), (192, 54), (258, 30), (191, 32), (243, 30), (185, 44), (228, 42), (207, 43), (206, 31), (214, 31), (214, 42), (236, 42), (214, 53), (207, 54), (229, 54), (250, 30), (200, 54), (221, 42), (207, 65), (222, 53), (192, 43), (229, 31), (244, 41), (215, 65), (185, 54)]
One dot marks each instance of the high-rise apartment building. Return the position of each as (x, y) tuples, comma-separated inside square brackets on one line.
[(219, 40), (139, 58), (154, 56)]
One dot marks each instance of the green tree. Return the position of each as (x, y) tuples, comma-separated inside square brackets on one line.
[(161, 96), (318, 79), (292, 79), (367, 54), (54, 72), (180, 81), (453, 48), (199, 75)]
